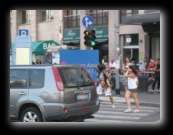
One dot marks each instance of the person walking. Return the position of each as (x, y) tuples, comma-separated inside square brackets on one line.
[(156, 77), (103, 82), (126, 65), (131, 75)]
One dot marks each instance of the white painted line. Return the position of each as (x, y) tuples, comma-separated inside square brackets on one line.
[(116, 117), (123, 109), (144, 107), (122, 113), (97, 120)]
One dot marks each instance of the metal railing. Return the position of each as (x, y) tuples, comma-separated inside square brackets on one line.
[(100, 18), (72, 21)]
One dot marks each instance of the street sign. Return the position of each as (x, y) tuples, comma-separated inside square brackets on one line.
[(23, 32), (87, 21)]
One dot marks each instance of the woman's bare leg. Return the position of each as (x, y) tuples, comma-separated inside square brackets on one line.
[(135, 97), (127, 98)]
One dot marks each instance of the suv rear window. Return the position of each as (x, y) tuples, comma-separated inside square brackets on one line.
[(73, 77)]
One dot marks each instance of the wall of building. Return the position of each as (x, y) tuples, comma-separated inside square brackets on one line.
[(50, 30), (39, 31)]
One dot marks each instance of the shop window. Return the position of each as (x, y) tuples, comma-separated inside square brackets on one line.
[(26, 16), (100, 17), (47, 15), (131, 40), (72, 20)]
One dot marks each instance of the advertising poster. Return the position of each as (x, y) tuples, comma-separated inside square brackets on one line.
[(87, 58)]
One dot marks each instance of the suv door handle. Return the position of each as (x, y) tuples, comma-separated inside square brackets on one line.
[(22, 93)]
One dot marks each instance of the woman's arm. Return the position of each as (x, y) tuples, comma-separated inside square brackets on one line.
[(124, 70), (107, 75), (108, 82), (96, 68), (129, 75)]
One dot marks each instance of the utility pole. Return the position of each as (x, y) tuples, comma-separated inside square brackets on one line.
[(117, 50)]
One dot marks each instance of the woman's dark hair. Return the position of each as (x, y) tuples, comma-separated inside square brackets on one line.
[(101, 67), (125, 60), (133, 69)]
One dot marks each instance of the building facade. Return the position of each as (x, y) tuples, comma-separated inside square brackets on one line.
[(65, 27)]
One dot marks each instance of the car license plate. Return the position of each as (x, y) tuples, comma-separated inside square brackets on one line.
[(82, 97)]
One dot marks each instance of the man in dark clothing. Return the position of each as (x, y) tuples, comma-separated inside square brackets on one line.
[(156, 77)]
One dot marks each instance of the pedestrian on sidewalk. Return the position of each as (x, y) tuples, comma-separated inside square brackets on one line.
[(132, 83), (151, 68), (126, 65), (156, 77), (103, 81), (143, 65)]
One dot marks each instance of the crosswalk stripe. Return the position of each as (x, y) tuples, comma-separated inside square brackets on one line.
[(98, 120), (146, 107), (122, 113), (123, 109), (108, 114), (117, 117)]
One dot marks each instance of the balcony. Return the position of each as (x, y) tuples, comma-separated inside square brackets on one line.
[(100, 18), (72, 21)]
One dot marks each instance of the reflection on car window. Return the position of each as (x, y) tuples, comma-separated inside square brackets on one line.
[(18, 78), (74, 77), (36, 78)]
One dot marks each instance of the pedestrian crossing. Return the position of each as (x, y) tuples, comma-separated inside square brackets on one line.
[(108, 114)]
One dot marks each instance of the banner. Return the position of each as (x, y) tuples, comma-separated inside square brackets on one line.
[(87, 58)]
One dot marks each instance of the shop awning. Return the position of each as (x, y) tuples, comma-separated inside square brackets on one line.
[(141, 18), (40, 47)]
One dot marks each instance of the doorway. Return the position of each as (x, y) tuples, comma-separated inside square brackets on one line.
[(132, 53)]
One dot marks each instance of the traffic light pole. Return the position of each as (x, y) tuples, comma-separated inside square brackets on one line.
[(117, 78)]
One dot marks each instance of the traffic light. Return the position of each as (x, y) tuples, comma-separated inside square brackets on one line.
[(92, 38), (87, 38)]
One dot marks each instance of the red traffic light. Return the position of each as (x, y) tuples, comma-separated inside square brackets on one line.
[(86, 32)]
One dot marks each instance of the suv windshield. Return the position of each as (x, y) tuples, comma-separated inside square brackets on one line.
[(74, 76)]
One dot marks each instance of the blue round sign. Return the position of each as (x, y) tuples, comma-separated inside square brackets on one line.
[(88, 21)]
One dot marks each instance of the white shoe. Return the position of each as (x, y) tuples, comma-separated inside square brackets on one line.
[(113, 106), (136, 111), (128, 110)]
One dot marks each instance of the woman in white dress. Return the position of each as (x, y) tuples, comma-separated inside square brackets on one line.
[(132, 83)]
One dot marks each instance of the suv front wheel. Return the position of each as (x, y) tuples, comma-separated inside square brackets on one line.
[(31, 114)]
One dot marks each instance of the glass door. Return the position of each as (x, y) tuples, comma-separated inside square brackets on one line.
[(132, 53)]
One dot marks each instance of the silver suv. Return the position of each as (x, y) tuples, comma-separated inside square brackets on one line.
[(43, 93)]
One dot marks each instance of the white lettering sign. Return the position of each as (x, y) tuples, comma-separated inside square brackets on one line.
[(49, 46), (70, 33), (99, 32)]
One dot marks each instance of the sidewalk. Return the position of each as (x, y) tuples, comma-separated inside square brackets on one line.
[(144, 97)]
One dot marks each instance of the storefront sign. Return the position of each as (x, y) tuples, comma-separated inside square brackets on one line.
[(101, 32), (73, 34)]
